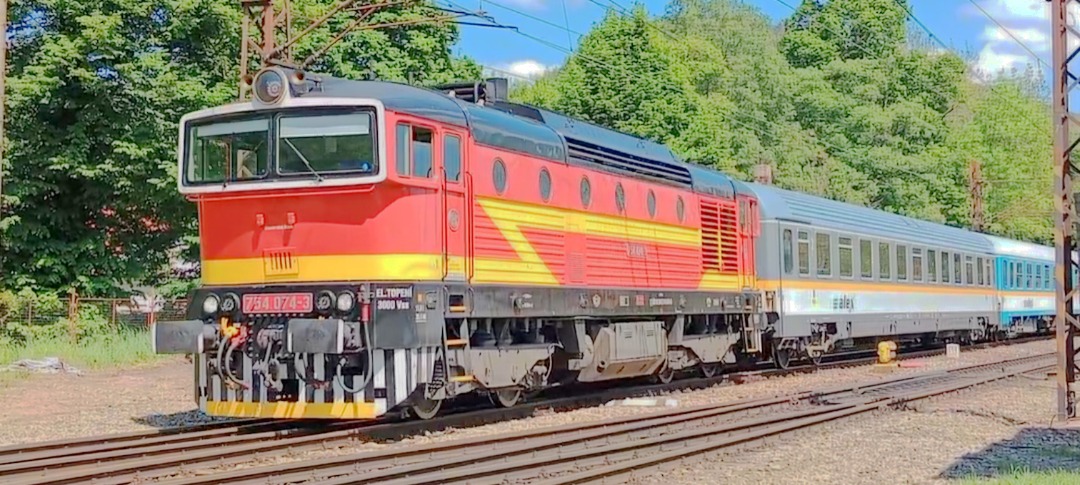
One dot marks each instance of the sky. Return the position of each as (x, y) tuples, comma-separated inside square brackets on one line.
[(959, 24)]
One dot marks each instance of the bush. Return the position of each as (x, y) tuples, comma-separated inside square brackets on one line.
[(26, 316)]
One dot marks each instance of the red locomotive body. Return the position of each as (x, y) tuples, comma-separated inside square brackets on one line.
[(370, 246)]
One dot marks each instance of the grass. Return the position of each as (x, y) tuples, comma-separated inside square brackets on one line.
[(1020, 477), (116, 348)]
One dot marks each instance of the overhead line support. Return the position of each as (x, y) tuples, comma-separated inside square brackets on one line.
[(1066, 324)]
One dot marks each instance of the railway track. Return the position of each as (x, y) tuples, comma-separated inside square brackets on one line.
[(131, 457), (615, 449)]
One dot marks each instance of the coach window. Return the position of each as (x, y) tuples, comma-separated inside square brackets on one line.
[(1046, 277), (651, 203), (946, 277), (680, 209), (620, 198), (1038, 277), (586, 192), (789, 265), (931, 266), (957, 269), (884, 259), (866, 258), (452, 157), (969, 270), (1009, 272), (846, 263), (901, 262), (979, 269), (804, 253), (824, 254), (916, 264), (1018, 276), (1027, 276)]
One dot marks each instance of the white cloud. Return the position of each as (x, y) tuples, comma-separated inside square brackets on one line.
[(1038, 40), (991, 62), (1025, 20), (525, 69), (1019, 9)]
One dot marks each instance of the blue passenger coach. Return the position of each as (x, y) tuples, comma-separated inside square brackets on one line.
[(1024, 277)]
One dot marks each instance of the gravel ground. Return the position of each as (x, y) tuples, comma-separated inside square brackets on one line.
[(987, 431), (45, 407), (57, 406), (753, 389)]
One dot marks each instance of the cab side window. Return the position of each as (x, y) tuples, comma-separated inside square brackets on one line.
[(414, 151), (452, 157)]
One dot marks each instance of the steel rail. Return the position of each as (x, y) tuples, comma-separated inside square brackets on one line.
[(125, 457), (447, 461)]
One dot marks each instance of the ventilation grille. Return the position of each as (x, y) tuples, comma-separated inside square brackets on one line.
[(729, 239), (620, 162), (719, 237), (279, 262), (710, 236)]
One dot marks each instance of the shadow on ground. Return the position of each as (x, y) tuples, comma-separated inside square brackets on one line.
[(172, 420), (1030, 450)]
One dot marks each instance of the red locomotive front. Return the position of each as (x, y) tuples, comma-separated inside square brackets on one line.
[(370, 246)]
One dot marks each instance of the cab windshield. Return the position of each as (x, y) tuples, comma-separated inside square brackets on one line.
[(228, 151), (326, 144), (285, 146)]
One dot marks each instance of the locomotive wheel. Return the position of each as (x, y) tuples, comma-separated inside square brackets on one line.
[(666, 375), (506, 397), (425, 409), (709, 370), (782, 358)]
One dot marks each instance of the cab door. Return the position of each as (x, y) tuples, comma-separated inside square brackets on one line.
[(456, 219)]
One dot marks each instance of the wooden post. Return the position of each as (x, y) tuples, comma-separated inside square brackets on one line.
[(73, 315)]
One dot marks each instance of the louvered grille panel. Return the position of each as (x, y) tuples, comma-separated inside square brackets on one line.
[(710, 236), (729, 239)]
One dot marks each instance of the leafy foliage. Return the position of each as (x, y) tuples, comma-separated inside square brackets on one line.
[(840, 102), (95, 92)]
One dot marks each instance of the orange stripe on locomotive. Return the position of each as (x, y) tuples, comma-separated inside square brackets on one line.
[(397, 230)]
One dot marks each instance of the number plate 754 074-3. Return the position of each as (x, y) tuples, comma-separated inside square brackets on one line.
[(278, 303)]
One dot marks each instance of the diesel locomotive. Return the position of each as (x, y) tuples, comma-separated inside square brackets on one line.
[(371, 247)]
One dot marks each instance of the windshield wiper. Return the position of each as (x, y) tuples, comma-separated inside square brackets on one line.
[(318, 178)]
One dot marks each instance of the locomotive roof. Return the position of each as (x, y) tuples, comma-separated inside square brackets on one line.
[(539, 132), (792, 206)]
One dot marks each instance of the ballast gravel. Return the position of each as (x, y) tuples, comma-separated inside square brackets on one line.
[(912, 446), (753, 389), (987, 431)]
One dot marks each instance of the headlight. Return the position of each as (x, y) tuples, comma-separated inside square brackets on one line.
[(345, 302), (210, 304)]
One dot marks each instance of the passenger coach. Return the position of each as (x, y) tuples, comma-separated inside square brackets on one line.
[(837, 275)]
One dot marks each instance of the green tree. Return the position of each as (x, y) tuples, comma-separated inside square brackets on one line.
[(95, 92)]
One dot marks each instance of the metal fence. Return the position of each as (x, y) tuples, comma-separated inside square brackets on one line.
[(133, 312)]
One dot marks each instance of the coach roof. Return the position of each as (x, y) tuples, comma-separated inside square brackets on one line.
[(786, 205)]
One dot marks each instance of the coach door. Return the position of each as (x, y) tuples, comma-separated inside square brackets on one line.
[(456, 217)]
